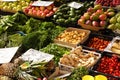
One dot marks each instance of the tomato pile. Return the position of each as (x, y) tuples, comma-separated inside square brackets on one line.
[(110, 65), (97, 43)]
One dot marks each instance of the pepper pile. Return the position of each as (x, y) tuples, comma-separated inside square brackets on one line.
[(110, 65)]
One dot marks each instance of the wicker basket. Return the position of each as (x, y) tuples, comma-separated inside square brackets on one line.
[(90, 27)]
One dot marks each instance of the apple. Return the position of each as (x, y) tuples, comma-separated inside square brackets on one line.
[(26, 10), (103, 17), (95, 24), (82, 17), (94, 17), (49, 7), (98, 6), (55, 9), (43, 15), (111, 14), (30, 12), (99, 11), (46, 11), (88, 22), (87, 16), (50, 13), (103, 23), (36, 8), (81, 21), (42, 8), (39, 13), (90, 10)]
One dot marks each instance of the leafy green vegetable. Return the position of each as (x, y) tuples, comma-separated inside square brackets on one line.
[(31, 25), (78, 73), (14, 40), (56, 50), (35, 40), (10, 23)]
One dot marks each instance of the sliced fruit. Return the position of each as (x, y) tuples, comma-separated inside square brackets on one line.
[(100, 77), (87, 77), (25, 65)]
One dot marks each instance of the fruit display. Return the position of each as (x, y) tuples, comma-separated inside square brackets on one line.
[(114, 22), (68, 16), (40, 11), (66, 42), (114, 46), (97, 43), (77, 58), (72, 36), (97, 77), (112, 3), (14, 6), (109, 65), (96, 17)]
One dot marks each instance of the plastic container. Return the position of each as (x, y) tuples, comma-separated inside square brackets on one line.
[(70, 68), (96, 66), (113, 47), (97, 42)]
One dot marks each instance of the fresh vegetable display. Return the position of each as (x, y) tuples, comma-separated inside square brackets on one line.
[(96, 17), (11, 23), (109, 65), (98, 43), (68, 16), (111, 3), (14, 6), (40, 11), (60, 48), (77, 58), (56, 50), (78, 73)]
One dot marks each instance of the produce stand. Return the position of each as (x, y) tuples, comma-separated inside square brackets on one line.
[(59, 40)]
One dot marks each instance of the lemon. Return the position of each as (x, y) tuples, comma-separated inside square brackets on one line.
[(100, 77), (87, 77)]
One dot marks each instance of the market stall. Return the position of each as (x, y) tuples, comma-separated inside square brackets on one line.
[(59, 40)]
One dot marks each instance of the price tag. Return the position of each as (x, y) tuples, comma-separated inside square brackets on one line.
[(36, 56), (117, 31), (6, 54), (75, 5), (42, 3), (8, 0)]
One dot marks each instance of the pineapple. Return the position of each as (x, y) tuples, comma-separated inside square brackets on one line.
[(8, 69)]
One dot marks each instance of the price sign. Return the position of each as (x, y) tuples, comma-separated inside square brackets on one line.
[(42, 3), (75, 5), (6, 54), (36, 56)]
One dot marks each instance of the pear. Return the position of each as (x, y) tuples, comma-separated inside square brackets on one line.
[(113, 20)]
